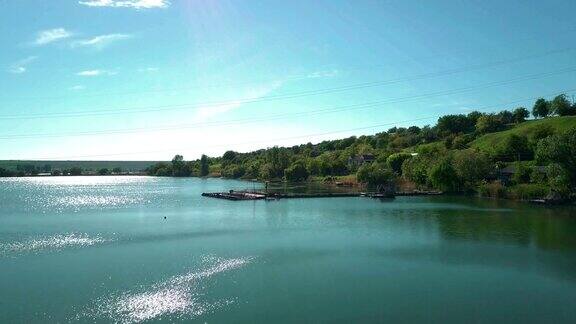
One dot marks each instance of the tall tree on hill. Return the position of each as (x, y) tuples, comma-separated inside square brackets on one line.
[(561, 106), (489, 123), (520, 114), (455, 124), (541, 108), (506, 117), (228, 157), (204, 167)]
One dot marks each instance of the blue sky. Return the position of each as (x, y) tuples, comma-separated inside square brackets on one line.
[(146, 79)]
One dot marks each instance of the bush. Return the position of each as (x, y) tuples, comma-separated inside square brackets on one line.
[(492, 189), (443, 176), (522, 173), (471, 167), (374, 174), (416, 170), (395, 161), (537, 177), (527, 191), (460, 142), (540, 132)]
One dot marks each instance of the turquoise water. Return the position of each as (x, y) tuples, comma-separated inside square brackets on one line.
[(98, 249)]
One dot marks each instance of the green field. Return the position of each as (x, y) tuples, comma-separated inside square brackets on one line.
[(487, 142), (132, 166)]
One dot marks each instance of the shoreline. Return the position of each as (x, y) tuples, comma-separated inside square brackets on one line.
[(334, 184)]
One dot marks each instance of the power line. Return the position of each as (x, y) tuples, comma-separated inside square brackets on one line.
[(249, 120), (264, 141), (116, 111)]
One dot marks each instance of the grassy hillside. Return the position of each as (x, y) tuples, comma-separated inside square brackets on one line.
[(85, 165), (487, 142)]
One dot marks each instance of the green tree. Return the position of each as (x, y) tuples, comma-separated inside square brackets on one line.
[(471, 167), (506, 117), (104, 171), (278, 160), (394, 161), (204, 167), (6, 173), (455, 124), (561, 106), (163, 171), (76, 171), (160, 169), (374, 174), (267, 172), (473, 116), (117, 170), (179, 168), (233, 171), (489, 123), (416, 169), (558, 180), (560, 149), (443, 176), (514, 148), (520, 114), (296, 171), (541, 108), (229, 157), (522, 173)]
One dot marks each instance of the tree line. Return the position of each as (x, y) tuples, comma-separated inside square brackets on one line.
[(27, 169), (438, 156)]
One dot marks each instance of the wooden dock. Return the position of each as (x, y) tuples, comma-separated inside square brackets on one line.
[(235, 195), (258, 195), (418, 193), (249, 195)]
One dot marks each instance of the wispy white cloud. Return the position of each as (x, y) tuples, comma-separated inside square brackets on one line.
[(136, 4), (206, 112), (324, 74), (148, 69), (22, 65), (101, 41), (93, 73), (51, 35), (77, 87)]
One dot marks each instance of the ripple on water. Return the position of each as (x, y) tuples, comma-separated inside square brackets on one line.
[(58, 194), (179, 296), (55, 242)]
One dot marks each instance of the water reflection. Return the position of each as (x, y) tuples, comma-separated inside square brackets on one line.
[(546, 228)]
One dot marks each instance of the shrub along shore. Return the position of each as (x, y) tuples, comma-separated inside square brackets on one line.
[(501, 155)]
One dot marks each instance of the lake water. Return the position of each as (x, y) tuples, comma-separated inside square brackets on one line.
[(98, 249)]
